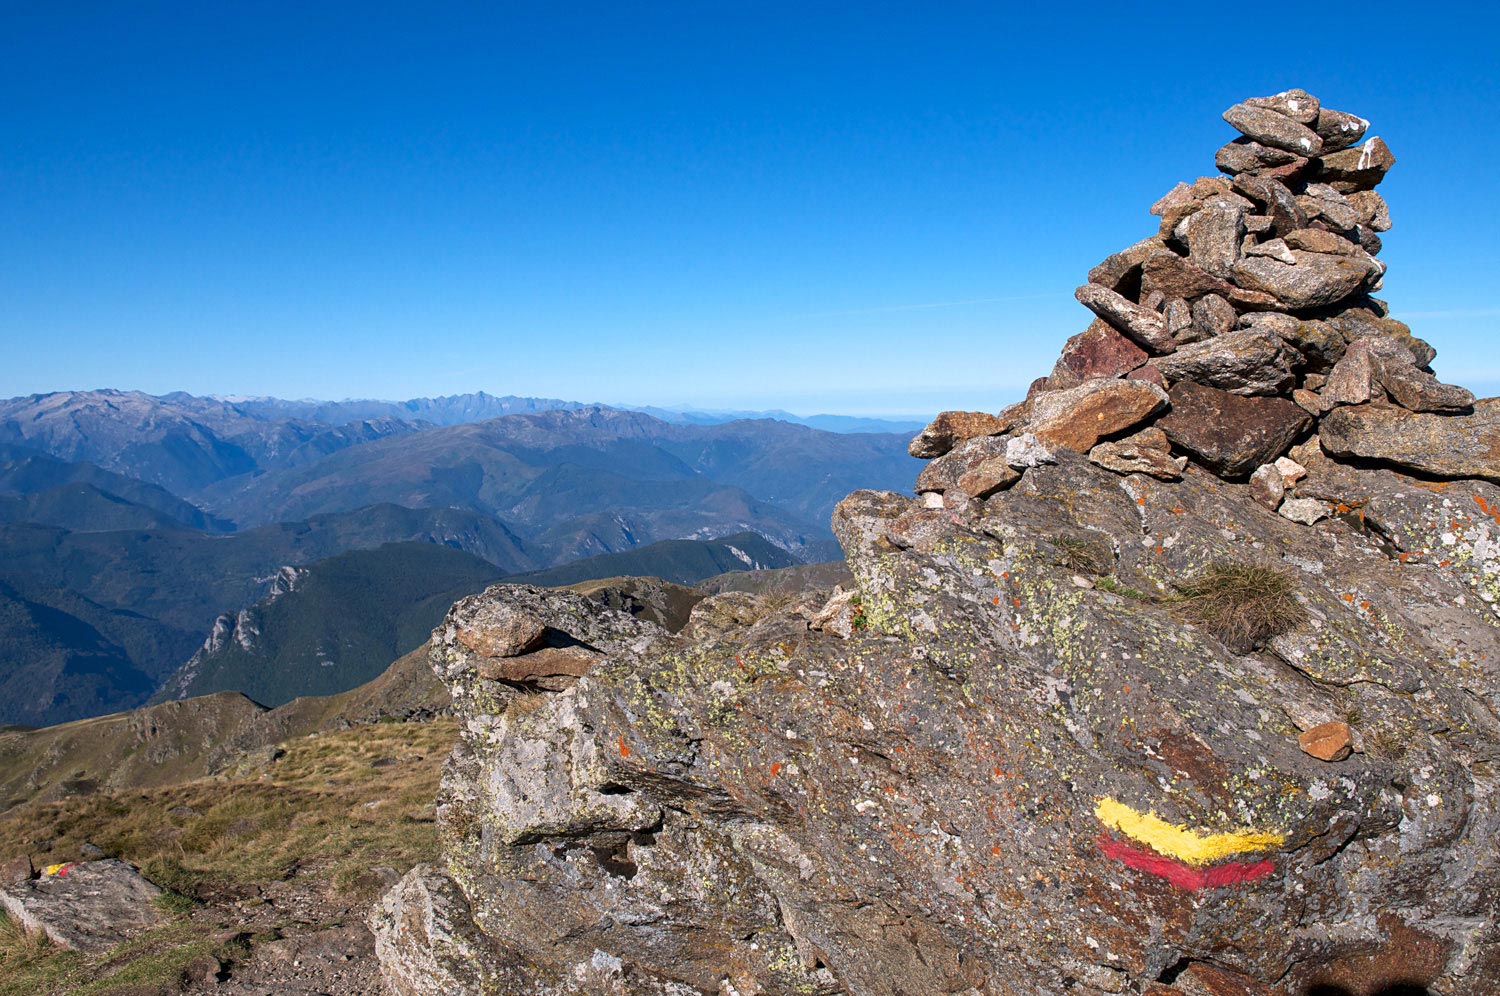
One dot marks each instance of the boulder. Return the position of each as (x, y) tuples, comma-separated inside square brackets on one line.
[(1146, 452), (1212, 315), (1338, 129), (1244, 155), (1076, 419), (1448, 446), (1267, 486), (942, 473), (1121, 272), (1358, 169), (1375, 366), (90, 906), (1145, 327), (1276, 130), (1213, 234), (991, 475), (1299, 105), (1026, 450), (1099, 351), (951, 428), (1245, 361), (1228, 433), (500, 630), (1314, 280)]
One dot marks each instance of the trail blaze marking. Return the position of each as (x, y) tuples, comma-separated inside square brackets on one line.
[(1180, 875), (1179, 842)]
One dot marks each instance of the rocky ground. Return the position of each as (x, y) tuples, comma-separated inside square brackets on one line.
[(1178, 677)]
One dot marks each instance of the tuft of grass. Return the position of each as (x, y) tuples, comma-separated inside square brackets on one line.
[(1113, 586), (1244, 605), (1084, 557)]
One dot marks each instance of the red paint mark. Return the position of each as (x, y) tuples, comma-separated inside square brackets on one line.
[(998, 772), (775, 768), (624, 748), (1181, 875), (997, 599)]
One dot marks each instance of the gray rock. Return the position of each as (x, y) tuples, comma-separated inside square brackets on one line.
[(89, 907), (1145, 327), (1315, 280), (1304, 510), (1276, 130), (1448, 446), (1146, 452), (1338, 129), (1213, 234), (1375, 366), (1026, 450), (1267, 486), (427, 941), (1246, 156), (1121, 271), (943, 473), (1245, 361), (951, 428)]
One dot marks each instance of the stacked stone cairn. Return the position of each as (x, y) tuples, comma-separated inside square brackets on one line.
[(1239, 337)]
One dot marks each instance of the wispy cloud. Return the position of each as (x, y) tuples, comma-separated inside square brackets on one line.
[(928, 306)]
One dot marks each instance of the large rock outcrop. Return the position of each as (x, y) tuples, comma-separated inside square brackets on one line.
[(1098, 715)]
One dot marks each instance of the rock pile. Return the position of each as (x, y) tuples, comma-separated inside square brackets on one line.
[(1091, 717), (1244, 326)]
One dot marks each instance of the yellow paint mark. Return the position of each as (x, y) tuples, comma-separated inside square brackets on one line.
[(1176, 841)]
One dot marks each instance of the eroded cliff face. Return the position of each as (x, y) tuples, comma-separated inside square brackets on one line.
[(1020, 757)]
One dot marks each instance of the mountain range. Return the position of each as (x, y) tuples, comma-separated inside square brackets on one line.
[(131, 524)]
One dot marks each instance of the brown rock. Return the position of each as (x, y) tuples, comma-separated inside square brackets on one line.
[(549, 667), (1228, 433), (1146, 327), (504, 631), (942, 474), (1214, 232), (1179, 316), (1245, 361), (951, 428), (1377, 365), (1299, 105), (1339, 130), (992, 475), (1360, 323), (1078, 418), (1148, 373), (1320, 344), (1449, 446), (1322, 201), (1331, 741), (1244, 155), (1317, 240), (1353, 380), (1174, 276), (1099, 351), (1373, 211), (1314, 281), (1267, 486), (14, 871), (1277, 202), (1179, 196), (1276, 130), (1212, 315), (1146, 452), (1357, 169), (1121, 272)]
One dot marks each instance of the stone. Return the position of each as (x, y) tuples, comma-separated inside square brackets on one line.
[(1339, 130), (1245, 361), (1276, 130), (1377, 365), (1257, 224), (1277, 202), (1299, 105), (1368, 240), (16, 871), (426, 940), (942, 473), (502, 631), (1445, 446), (1357, 169), (1121, 271), (1099, 351), (1144, 326), (1213, 234), (1148, 373), (1076, 419), (1308, 400), (1212, 315), (1304, 510), (1314, 382), (1315, 280), (1244, 155), (1146, 452), (1179, 316), (951, 428), (1331, 741), (1320, 200), (838, 614), (1230, 434), (1361, 323), (1317, 240), (548, 667), (1267, 486), (1026, 450), (1274, 249), (1291, 471), (1180, 195), (1374, 213), (90, 906), (1176, 277), (1353, 380), (991, 475), (1320, 344)]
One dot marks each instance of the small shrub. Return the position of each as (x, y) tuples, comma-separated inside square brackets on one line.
[(1244, 605)]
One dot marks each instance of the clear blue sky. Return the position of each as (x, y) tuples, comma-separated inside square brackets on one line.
[(872, 208)]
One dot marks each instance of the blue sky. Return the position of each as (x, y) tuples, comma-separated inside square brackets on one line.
[(865, 208)]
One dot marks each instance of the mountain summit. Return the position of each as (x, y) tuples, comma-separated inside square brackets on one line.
[(1180, 677)]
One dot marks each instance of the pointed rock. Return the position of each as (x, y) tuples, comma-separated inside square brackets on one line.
[(951, 428), (1146, 327), (1099, 351)]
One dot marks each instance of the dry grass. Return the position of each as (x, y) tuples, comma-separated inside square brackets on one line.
[(1244, 605)]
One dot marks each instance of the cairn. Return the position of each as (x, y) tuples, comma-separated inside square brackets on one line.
[(1241, 335)]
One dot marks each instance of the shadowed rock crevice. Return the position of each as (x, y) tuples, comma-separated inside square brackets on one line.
[(1030, 749)]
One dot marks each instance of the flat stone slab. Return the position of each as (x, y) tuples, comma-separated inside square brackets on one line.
[(90, 906)]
